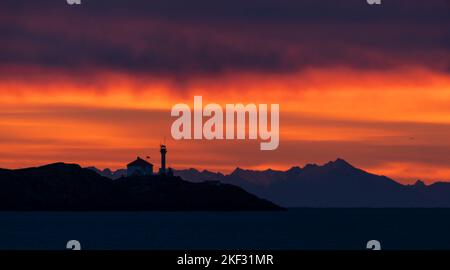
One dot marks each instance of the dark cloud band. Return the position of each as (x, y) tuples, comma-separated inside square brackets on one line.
[(186, 38)]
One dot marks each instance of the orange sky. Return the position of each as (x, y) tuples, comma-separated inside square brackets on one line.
[(394, 122)]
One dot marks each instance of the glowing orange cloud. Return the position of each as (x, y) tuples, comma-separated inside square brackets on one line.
[(379, 120)]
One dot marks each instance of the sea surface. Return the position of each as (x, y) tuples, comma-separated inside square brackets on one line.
[(294, 229)]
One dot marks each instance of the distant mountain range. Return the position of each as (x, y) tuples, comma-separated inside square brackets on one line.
[(109, 173), (334, 184), (68, 187)]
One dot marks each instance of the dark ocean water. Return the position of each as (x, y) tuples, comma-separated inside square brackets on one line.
[(292, 229)]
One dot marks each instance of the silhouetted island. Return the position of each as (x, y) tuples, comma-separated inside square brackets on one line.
[(68, 187)]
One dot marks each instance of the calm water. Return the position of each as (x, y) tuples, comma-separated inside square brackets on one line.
[(293, 229)]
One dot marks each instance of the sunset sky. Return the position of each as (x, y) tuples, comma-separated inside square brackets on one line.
[(94, 84)]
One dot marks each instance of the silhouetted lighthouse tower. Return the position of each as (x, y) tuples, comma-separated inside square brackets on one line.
[(163, 151)]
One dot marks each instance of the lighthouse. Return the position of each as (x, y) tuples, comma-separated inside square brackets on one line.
[(163, 151)]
